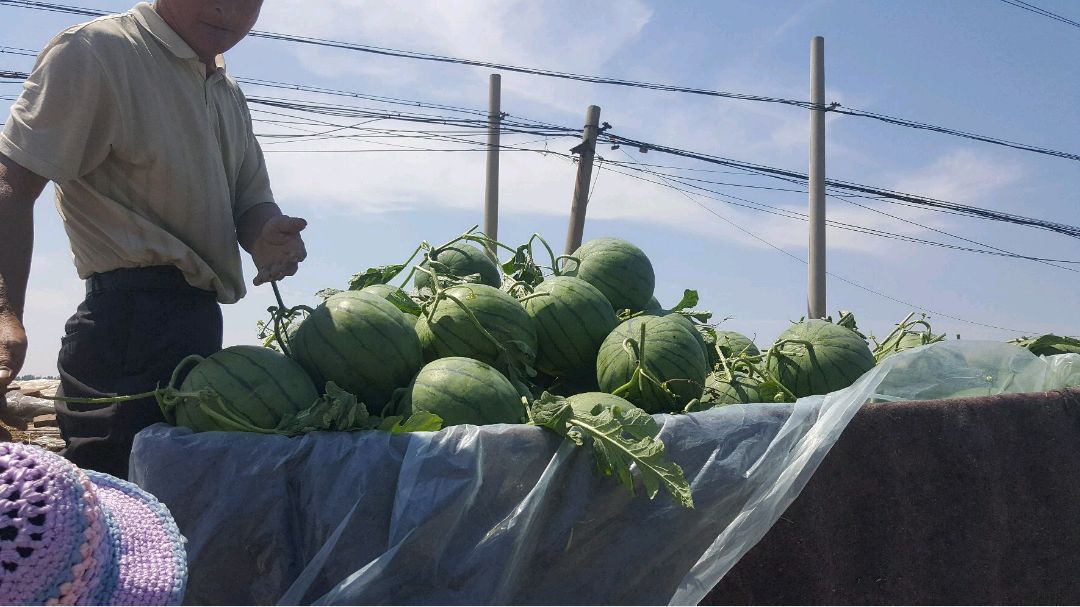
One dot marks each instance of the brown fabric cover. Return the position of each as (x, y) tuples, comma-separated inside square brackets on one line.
[(969, 501)]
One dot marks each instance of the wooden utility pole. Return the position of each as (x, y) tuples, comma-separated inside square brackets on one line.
[(587, 150), (815, 296), (491, 189)]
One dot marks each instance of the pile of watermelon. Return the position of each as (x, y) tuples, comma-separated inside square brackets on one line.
[(578, 344), (466, 339), (473, 340)]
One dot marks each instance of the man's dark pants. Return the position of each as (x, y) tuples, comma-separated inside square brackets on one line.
[(126, 338)]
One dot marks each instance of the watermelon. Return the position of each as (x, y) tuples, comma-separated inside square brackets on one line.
[(463, 391), (720, 389), (460, 260), (362, 343), (672, 356), (257, 386), (733, 343), (710, 357), (449, 331), (572, 318), (655, 309), (396, 296), (835, 358), (619, 269)]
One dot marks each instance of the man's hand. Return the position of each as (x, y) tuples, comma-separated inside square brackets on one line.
[(12, 351), (278, 249)]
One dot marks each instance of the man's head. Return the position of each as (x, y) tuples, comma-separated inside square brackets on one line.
[(210, 27)]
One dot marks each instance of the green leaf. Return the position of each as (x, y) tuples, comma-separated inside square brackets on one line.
[(335, 411), (421, 421), (375, 276), (1049, 344), (403, 302), (689, 300), (701, 316), (847, 320), (327, 293), (620, 437)]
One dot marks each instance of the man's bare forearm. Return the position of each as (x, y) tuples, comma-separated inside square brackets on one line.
[(19, 188)]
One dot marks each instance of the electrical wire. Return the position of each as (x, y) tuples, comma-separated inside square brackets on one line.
[(1027, 6), (791, 214), (847, 186), (847, 280), (832, 107), (535, 129)]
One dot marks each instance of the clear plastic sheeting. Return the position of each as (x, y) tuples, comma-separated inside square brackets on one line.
[(509, 514)]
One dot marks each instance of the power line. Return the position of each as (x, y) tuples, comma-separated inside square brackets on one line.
[(791, 214), (843, 279), (1051, 262), (760, 169), (833, 107), (890, 195), (1027, 6), (535, 129)]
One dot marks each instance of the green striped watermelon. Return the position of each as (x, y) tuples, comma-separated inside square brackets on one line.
[(733, 343), (460, 260), (449, 331), (463, 391), (835, 358), (572, 318), (720, 389), (362, 343), (710, 359), (618, 268), (257, 386), (396, 296), (672, 356)]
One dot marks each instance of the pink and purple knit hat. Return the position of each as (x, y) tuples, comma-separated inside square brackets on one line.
[(77, 537)]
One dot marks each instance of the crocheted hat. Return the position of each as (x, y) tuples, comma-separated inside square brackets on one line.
[(78, 537)]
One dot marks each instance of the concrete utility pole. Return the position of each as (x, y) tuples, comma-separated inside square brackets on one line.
[(491, 190), (587, 149), (815, 296)]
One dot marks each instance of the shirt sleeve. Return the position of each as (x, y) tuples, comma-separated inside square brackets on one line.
[(66, 121), (253, 182)]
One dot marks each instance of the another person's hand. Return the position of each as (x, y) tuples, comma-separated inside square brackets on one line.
[(279, 249), (12, 352)]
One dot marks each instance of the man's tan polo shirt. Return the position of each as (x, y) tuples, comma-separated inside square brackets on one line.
[(153, 161)]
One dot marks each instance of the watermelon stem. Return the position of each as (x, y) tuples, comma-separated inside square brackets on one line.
[(102, 400), (636, 350), (562, 258), (778, 349), (456, 239), (551, 253), (417, 250), (230, 422), (532, 296), (282, 316)]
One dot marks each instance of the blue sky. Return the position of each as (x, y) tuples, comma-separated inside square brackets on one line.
[(979, 66)]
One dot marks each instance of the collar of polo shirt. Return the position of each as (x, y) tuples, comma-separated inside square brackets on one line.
[(149, 18)]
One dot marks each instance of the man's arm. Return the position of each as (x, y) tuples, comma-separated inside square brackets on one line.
[(273, 240), (19, 188)]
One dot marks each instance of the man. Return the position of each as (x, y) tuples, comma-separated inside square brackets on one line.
[(158, 178)]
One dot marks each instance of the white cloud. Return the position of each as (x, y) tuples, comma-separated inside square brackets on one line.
[(961, 176), (504, 31), (536, 34)]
